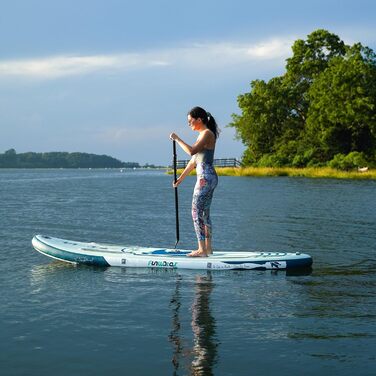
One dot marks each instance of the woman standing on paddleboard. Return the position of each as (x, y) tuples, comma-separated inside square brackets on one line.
[(202, 152)]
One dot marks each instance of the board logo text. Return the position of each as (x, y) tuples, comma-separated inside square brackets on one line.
[(162, 264)]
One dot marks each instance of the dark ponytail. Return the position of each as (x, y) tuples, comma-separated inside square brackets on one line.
[(206, 118)]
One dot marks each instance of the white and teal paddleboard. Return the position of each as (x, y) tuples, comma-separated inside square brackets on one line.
[(141, 257)]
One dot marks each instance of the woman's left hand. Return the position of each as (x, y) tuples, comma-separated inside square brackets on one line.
[(174, 136)]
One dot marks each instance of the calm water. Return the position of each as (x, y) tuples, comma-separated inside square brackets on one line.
[(64, 320)]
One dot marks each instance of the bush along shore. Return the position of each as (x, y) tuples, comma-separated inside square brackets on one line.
[(307, 172)]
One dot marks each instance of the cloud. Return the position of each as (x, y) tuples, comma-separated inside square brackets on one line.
[(130, 135), (202, 56), (60, 66), (272, 49)]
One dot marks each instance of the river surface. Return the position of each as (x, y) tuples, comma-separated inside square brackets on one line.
[(58, 319)]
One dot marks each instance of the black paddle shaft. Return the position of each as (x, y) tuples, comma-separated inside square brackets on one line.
[(176, 194)]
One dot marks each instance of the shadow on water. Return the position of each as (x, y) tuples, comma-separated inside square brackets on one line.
[(299, 272), (363, 267), (205, 345), (337, 294)]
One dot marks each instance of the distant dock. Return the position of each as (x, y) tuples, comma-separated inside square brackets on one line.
[(222, 162)]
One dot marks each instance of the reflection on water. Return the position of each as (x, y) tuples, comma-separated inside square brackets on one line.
[(174, 336), (39, 273), (193, 351), (204, 349), (203, 327)]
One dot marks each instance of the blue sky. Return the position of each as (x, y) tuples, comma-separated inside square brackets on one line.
[(116, 77)]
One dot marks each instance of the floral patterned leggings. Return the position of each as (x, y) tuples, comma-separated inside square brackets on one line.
[(207, 180)]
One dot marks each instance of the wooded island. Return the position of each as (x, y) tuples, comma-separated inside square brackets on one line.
[(10, 159)]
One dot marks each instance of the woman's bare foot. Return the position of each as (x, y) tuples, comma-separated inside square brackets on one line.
[(197, 253)]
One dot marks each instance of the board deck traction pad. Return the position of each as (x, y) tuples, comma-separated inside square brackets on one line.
[(101, 254)]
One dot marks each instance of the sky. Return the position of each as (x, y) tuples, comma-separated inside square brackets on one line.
[(116, 77)]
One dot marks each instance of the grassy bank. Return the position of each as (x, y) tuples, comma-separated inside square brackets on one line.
[(308, 172)]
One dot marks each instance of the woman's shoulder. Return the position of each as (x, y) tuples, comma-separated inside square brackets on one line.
[(207, 139), (209, 134), (210, 139)]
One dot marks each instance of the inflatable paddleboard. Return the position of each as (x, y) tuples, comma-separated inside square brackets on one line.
[(141, 257)]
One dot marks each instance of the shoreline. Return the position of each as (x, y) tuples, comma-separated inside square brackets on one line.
[(307, 172)]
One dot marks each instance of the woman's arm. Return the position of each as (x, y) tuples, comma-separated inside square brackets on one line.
[(188, 168), (198, 146)]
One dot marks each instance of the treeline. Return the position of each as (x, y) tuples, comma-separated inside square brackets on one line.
[(10, 159), (321, 112)]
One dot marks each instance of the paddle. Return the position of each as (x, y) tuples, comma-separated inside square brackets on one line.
[(176, 195)]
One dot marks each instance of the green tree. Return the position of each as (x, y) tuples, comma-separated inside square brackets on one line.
[(9, 158), (10, 152), (342, 111), (312, 56), (264, 111), (309, 59), (323, 105)]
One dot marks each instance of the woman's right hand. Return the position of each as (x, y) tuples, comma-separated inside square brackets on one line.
[(177, 183)]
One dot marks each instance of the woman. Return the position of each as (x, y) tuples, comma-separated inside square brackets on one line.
[(202, 152)]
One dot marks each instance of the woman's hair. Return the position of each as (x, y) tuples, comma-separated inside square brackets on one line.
[(206, 118)]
